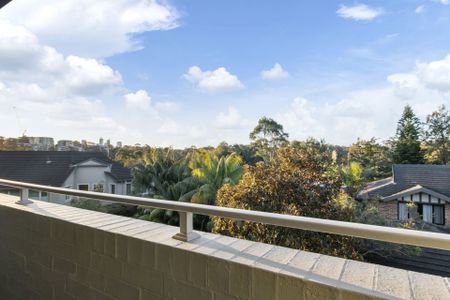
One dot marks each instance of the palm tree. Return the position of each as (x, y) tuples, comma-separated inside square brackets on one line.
[(213, 172), (166, 176)]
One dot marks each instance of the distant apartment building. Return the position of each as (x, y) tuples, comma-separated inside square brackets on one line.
[(40, 143), (68, 145), (89, 171)]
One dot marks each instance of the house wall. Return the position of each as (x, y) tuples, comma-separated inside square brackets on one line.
[(447, 215), (389, 211), (90, 173)]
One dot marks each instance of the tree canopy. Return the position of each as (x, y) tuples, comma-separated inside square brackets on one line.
[(438, 136), (295, 183), (407, 144)]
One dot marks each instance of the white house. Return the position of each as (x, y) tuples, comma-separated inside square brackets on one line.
[(91, 171)]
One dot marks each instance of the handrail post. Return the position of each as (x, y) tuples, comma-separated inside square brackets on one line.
[(186, 233), (24, 199)]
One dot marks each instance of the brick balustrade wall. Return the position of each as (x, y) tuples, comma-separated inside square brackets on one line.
[(49, 251)]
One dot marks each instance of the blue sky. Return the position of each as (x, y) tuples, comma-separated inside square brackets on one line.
[(198, 72)]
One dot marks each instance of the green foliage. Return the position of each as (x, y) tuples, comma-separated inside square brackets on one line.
[(295, 182), (88, 204), (12, 144), (191, 176), (374, 158), (129, 156), (438, 136), (164, 174), (213, 172), (407, 145), (267, 136), (352, 176)]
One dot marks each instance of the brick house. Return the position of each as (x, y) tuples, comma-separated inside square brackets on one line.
[(427, 186)]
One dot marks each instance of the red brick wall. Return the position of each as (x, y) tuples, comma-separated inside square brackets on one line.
[(447, 215), (388, 210)]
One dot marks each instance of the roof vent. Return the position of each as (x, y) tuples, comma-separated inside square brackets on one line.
[(48, 162)]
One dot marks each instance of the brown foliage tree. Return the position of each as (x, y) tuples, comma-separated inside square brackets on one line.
[(295, 183)]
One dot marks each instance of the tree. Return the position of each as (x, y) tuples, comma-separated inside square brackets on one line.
[(374, 158), (164, 175), (437, 136), (295, 182), (248, 153), (407, 145), (352, 176), (268, 135), (129, 156), (12, 144), (213, 172)]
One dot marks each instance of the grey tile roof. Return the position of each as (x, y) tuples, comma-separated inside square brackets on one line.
[(51, 167), (432, 177)]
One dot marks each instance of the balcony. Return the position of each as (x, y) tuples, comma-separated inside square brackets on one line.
[(51, 251)]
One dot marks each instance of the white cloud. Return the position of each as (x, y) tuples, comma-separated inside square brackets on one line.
[(435, 74), (276, 72), (359, 12), (170, 127), (219, 80), (92, 28), (167, 106), (371, 112), (419, 9), (445, 2), (140, 99), (230, 119), (88, 76), (54, 94)]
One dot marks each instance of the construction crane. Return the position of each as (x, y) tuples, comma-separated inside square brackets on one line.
[(24, 131)]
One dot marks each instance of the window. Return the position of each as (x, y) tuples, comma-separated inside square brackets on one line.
[(402, 211), (438, 214), (429, 213), (128, 188), (83, 187), (113, 188)]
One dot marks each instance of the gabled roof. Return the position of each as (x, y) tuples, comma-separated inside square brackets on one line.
[(414, 190), (433, 178), (51, 167)]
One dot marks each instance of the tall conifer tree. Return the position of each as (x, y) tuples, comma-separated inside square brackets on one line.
[(407, 146)]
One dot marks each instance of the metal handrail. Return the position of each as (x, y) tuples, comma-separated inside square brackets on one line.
[(186, 210)]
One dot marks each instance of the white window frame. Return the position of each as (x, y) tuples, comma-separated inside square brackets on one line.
[(403, 211)]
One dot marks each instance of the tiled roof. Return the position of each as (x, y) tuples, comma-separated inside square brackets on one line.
[(432, 177), (51, 167)]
